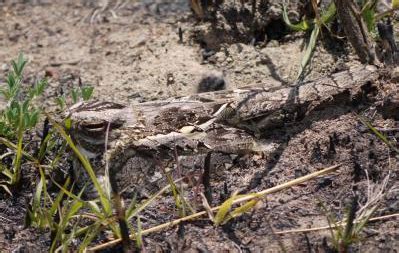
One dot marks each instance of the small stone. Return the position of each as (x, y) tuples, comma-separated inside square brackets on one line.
[(5, 67), (212, 82), (273, 43), (298, 173), (51, 73), (220, 57)]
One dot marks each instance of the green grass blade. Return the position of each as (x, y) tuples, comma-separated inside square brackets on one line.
[(44, 146), (91, 204), (178, 196), (133, 206), (18, 157), (382, 137), (59, 197), (224, 210), (75, 207), (72, 209), (139, 236), (369, 18), (86, 165), (332, 224), (133, 211), (329, 14), (14, 147), (90, 235), (38, 193), (301, 26), (243, 208), (87, 92), (65, 243), (307, 56)]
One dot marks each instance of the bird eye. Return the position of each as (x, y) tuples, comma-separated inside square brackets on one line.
[(93, 125)]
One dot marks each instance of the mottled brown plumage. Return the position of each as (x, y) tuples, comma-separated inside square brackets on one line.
[(144, 137)]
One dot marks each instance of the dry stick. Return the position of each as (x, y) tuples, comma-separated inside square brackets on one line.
[(355, 30), (385, 217), (236, 201)]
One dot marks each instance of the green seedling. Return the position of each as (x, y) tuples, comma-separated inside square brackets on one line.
[(315, 25), (19, 116), (367, 14), (83, 93), (181, 203)]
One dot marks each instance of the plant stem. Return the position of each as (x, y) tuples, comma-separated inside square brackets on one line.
[(18, 157)]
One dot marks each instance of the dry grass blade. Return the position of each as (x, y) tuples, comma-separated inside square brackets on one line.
[(207, 207), (139, 237), (236, 201), (348, 231), (6, 189), (197, 8)]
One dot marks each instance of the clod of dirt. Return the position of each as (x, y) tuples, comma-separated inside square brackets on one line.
[(211, 83)]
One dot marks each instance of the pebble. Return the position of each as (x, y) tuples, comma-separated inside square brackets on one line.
[(4, 67), (51, 73), (220, 57), (273, 43), (212, 82)]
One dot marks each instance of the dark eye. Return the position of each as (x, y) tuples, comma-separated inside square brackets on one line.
[(92, 129), (94, 126), (100, 106)]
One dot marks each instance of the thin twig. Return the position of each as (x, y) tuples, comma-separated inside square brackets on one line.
[(305, 230), (236, 201)]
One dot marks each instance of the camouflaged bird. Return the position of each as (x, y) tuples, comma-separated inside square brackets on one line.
[(137, 140)]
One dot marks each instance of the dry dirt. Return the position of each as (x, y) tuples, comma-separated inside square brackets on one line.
[(133, 54)]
